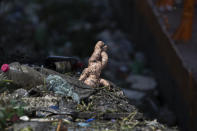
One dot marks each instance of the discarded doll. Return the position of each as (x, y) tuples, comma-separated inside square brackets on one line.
[(98, 60)]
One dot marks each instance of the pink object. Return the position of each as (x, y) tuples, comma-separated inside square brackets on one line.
[(5, 67)]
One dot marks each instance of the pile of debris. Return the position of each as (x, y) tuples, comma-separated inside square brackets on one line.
[(37, 98)]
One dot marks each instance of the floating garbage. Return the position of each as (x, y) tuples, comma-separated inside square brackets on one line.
[(63, 64), (27, 77), (113, 120), (22, 75), (45, 93), (24, 118), (5, 67), (83, 124), (54, 107), (90, 120), (99, 103), (60, 86)]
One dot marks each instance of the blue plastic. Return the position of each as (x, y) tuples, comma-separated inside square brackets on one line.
[(90, 120), (54, 107)]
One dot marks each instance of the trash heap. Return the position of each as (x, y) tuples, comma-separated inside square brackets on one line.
[(35, 98), (41, 28)]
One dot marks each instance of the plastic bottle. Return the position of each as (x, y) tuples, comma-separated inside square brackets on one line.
[(22, 75)]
